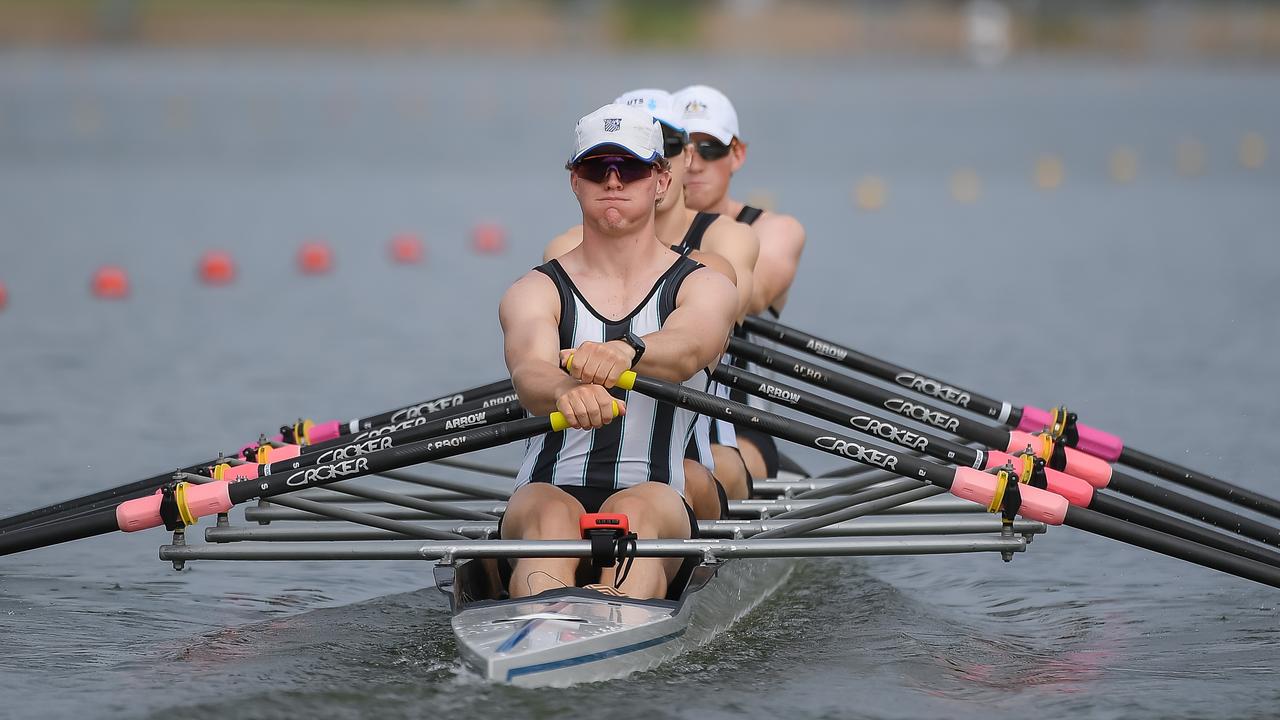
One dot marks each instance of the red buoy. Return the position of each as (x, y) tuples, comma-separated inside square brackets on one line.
[(489, 238), (406, 249), (110, 282), (315, 258), (217, 268), (4, 295)]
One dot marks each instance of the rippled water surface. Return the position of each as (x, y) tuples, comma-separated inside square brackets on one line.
[(1149, 306)]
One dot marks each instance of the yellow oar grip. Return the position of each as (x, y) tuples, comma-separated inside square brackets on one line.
[(558, 421), (626, 380)]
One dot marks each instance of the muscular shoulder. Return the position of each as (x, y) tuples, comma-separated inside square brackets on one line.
[(716, 262), (728, 238), (563, 243), (778, 227), (532, 295), (708, 285)]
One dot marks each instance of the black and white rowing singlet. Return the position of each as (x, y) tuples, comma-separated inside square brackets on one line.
[(706, 431), (648, 442)]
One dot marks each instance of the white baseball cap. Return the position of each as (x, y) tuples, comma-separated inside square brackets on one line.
[(658, 103), (630, 129), (705, 109)]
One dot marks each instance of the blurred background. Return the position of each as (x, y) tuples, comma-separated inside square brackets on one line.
[(221, 215)]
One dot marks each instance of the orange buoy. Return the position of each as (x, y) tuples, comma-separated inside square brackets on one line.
[(314, 258), (217, 268), (489, 238), (406, 249), (4, 296), (110, 282)]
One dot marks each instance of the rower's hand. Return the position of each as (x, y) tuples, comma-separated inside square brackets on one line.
[(598, 363), (587, 407)]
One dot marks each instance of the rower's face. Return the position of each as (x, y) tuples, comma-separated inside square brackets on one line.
[(706, 181), (616, 192)]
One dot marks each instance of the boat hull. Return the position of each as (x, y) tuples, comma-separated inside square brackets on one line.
[(573, 635)]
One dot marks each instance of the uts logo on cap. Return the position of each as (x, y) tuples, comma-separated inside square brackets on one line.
[(612, 124)]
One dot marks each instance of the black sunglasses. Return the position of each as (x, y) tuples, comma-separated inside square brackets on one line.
[(673, 142), (711, 149), (596, 169)]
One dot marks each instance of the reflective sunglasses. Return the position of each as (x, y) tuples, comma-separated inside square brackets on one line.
[(711, 149), (629, 169), (673, 142)]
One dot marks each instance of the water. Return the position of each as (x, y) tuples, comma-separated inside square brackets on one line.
[(1150, 307)]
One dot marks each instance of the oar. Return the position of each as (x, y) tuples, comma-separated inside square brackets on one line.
[(997, 492), (1094, 470), (1027, 418), (461, 403), (182, 503), (1030, 469)]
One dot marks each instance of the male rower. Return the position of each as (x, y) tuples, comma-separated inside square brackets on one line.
[(715, 471), (619, 300), (720, 152)]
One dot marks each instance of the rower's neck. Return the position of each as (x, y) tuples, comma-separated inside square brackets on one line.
[(727, 206), (621, 255), (672, 223)]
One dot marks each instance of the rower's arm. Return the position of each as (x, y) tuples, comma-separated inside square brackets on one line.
[(531, 342), (563, 243), (695, 333), (781, 242), (738, 244)]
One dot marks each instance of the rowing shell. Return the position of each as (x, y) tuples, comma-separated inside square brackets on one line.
[(571, 635)]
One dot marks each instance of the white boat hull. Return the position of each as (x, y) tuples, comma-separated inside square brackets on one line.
[(571, 635)]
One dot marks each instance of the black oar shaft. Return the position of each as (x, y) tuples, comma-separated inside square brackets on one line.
[(969, 400), (472, 399), (1199, 481), (1194, 508), (105, 520), (1164, 544), (947, 451), (989, 435), (909, 467), (896, 403), (1138, 515)]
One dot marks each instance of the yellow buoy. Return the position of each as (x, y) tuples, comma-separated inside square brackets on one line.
[(869, 193), (1049, 172), (1189, 156), (966, 186), (1124, 164), (1253, 151)]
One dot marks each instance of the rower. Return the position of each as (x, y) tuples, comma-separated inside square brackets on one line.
[(720, 152), (618, 300), (716, 471)]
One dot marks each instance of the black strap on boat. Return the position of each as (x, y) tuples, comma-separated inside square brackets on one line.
[(609, 548), (169, 512), (627, 552)]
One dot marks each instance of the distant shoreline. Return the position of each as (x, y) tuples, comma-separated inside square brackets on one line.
[(806, 27)]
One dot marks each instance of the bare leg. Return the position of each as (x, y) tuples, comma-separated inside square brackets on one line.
[(700, 491), (731, 471), (752, 457), (653, 510), (541, 511)]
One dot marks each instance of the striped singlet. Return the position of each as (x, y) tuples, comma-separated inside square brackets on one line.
[(706, 431), (648, 442)]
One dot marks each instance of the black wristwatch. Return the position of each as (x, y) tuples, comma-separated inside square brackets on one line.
[(636, 344)]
